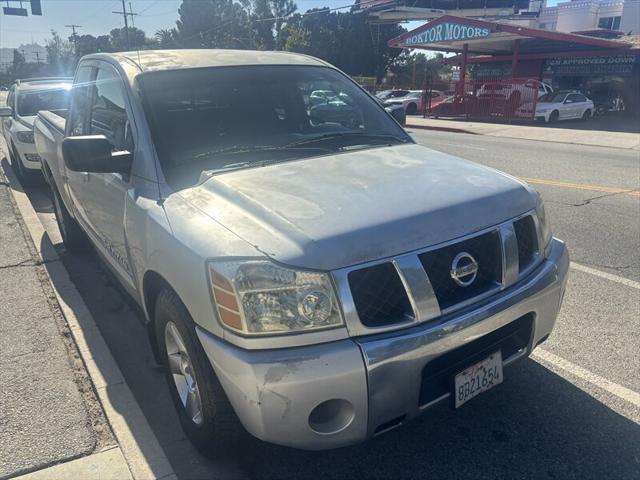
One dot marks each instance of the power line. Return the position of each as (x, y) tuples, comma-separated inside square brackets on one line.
[(149, 7), (306, 14), (73, 29), (126, 14)]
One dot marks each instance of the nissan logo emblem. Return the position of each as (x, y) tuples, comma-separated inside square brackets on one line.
[(464, 269)]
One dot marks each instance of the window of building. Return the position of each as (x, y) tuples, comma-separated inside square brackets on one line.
[(609, 23)]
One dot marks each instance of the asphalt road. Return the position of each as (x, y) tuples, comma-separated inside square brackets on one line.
[(572, 411)]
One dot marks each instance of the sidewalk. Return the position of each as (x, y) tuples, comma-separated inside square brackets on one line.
[(530, 132), (48, 411)]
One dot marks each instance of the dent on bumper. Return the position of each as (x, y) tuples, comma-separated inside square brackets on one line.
[(274, 392)]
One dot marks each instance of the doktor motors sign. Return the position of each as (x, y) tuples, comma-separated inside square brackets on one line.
[(447, 32)]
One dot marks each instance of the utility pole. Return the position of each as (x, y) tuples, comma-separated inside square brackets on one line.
[(74, 36), (133, 23), (126, 14)]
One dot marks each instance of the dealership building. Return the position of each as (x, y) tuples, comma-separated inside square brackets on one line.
[(587, 45)]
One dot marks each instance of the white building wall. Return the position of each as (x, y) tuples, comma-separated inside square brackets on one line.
[(578, 15), (630, 21)]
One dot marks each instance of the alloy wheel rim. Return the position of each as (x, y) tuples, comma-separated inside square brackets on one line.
[(181, 370)]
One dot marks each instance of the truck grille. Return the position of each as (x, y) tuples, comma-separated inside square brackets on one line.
[(487, 252), (527, 238), (400, 290), (379, 295)]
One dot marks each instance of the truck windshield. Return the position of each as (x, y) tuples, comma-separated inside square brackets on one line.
[(29, 103), (220, 119)]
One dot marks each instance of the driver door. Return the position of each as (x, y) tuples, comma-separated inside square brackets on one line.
[(102, 196)]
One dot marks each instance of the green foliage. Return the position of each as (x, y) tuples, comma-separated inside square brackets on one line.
[(419, 70), (118, 39), (62, 60), (344, 39), (213, 24)]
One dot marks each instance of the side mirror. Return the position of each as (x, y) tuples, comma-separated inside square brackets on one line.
[(92, 153), (6, 111)]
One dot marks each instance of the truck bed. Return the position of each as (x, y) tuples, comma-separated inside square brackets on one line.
[(55, 119)]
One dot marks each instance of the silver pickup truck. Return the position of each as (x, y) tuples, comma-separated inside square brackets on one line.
[(304, 267)]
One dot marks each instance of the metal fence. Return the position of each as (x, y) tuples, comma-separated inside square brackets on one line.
[(506, 100)]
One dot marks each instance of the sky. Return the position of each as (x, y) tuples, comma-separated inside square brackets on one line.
[(96, 17)]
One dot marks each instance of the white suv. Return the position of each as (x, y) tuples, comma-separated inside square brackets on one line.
[(25, 98)]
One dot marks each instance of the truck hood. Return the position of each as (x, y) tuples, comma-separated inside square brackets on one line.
[(335, 211)]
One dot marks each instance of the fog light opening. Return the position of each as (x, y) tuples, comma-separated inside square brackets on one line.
[(331, 416)]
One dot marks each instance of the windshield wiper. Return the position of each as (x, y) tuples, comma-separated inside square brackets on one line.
[(337, 135)]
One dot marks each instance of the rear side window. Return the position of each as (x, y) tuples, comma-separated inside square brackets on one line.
[(108, 113)]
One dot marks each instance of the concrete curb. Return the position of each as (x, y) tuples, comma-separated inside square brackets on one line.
[(144, 456), (568, 137), (441, 129)]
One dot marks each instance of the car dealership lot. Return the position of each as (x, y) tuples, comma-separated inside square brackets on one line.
[(570, 412)]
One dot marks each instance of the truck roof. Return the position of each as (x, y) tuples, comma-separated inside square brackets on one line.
[(159, 60), (42, 84)]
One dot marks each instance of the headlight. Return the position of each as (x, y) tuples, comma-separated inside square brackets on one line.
[(543, 224), (259, 297), (25, 137)]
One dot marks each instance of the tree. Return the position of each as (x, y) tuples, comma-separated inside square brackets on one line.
[(344, 39), (214, 24), (281, 9), (62, 60), (118, 39), (168, 38), (18, 60), (86, 44), (262, 25)]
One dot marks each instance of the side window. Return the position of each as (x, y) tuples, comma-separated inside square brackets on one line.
[(81, 96), (581, 98), (573, 98), (108, 113)]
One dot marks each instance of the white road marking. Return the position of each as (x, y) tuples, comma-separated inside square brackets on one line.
[(605, 275), (613, 388)]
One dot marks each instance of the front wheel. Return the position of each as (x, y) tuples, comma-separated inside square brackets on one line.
[(586, 115), (553, 118), (205, 413)]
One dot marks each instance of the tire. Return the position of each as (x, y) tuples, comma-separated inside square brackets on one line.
[(586, 115), (214, 429), (73, 237), (553, 118), (27, 178), (412, 108)]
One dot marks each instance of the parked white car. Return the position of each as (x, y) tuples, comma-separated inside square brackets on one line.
[(25, 99), (412, 101), (561, 106)]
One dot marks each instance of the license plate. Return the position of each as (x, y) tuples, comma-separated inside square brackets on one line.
[(478, 378)]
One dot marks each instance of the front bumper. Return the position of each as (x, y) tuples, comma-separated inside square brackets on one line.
[(28, 156), (332, 395)]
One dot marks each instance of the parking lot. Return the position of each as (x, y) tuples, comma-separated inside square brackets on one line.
[(570, 411)]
